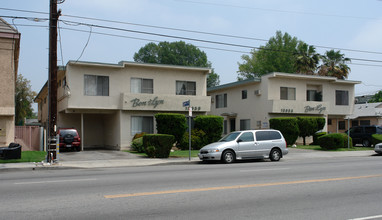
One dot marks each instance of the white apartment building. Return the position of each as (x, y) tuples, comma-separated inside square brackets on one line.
[(249, 104), (109, 103)]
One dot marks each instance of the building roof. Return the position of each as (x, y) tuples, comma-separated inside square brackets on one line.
[(367, 110), (234, 84), (7, 28)]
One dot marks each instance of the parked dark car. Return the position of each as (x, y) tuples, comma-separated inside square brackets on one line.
[(69, 139), (362, 134)]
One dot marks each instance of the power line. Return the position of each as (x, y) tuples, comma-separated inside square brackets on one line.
[(192, 31)]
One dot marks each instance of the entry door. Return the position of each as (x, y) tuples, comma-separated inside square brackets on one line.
[(232, 124)]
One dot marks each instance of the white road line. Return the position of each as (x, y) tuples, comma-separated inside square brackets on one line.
[(369, 217), (258, 170), (55, 181)]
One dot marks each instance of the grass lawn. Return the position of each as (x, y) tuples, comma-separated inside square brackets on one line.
[(28, 156), (317, 147), (178, 153)]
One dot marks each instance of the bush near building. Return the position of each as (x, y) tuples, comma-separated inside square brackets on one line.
[(377, 138), (212, 126), (137, 145), (287, 126), (158, 145), (334, 141), (198, 140), (316, 136), (308, 126), (171, 123)]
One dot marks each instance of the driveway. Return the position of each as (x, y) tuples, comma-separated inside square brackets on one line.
[(89, 155)]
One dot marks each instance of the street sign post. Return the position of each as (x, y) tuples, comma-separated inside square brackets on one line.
[(185, 104)]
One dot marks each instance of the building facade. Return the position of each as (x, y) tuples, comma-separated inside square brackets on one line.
[(249, 104), (9, 59), (109, 103), (366, 114)]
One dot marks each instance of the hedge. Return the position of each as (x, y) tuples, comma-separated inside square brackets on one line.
[(377, 138), (171, 123), (137, 145), (198, 140), (287, 126), (211, 125), (158, 145), (331, 141), (316, 136)]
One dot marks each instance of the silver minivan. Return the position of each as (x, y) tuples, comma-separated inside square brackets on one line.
[(243, 145)]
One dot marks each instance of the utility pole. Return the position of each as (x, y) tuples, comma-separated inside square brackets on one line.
[(52, 80)]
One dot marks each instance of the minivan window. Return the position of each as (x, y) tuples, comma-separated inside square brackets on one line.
[(247, 137), (370, 130), (267, 135), (230, 137)]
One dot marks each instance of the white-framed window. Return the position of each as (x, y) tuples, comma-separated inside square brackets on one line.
[(287, 93), (96, 85), (185, 88), (221, 100), (245, 124), (140, 85), (342, 97), (141, 124)]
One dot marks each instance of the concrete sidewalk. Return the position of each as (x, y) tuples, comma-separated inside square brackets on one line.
[(103, 159)]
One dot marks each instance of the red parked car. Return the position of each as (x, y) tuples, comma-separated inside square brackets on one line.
[(69, 139)]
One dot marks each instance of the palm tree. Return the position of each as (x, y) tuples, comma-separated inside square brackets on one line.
[(306, 59), (334, 64)]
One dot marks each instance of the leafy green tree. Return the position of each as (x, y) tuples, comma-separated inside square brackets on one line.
[(278, 55), (334, 64), (23, 99), (377, 97), (176, 53), (306, 59)]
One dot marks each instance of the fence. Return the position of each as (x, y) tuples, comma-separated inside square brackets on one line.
[(29, 137)]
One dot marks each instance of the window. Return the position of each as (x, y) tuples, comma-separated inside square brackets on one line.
[(267, 135), (313, 95), (329, 121), (364, 122), (96, 85), (342, 97), (221, 101), (354, 123), (246, 137), (141, 124), (244, 94), (245, 124), (370, 130), (138, 85), (287, 93), (341, 125), (185, 88)]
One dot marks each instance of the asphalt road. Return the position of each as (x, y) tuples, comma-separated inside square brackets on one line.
[(340, 188)]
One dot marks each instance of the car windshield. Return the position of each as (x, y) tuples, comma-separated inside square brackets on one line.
[(68, 131), (230, 137)]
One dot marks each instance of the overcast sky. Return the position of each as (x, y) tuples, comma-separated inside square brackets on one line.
[(347, 24)]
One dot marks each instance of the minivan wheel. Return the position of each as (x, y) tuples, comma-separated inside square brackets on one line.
[(366, 142), (275, 155), (228, 156)]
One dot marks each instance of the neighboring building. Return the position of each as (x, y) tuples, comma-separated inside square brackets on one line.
[(109, 103), (363, 99), (366, 114), (9, 60), (249, 104)]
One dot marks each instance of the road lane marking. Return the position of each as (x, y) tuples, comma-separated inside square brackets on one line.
[(237, 186), (55, 181), (258, 170), (367, 218)]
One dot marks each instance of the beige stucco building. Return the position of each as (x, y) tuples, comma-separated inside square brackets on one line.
[(249, 104), (9, 59), (109, 103)]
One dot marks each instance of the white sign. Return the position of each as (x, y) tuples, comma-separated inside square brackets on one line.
[(190, 111)]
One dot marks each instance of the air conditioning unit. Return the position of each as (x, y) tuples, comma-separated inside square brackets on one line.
[(258, 92)]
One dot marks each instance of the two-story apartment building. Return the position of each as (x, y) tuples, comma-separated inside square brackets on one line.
[(249, 104), (9, 59), (109, 103)]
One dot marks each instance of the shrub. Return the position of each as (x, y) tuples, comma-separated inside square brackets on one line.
[(377, 138), (331, 141), (320, 123), (158, 145), (173, 124), (137, 145), (138, 135), (307, 126), (212, 126), (316, 136), (287, 126), (198, 140), (345, 137)]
